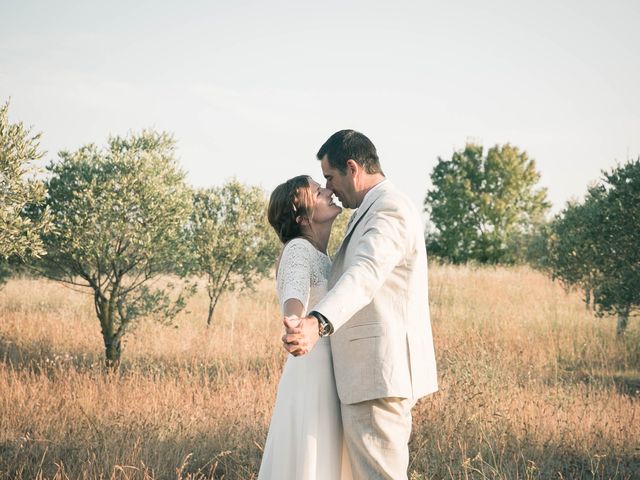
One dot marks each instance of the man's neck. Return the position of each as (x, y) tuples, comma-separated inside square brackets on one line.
[(368, 182)]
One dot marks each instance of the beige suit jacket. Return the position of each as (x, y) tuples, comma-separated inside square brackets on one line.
[(382, 345)]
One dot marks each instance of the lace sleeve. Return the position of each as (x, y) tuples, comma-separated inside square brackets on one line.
[(294, 273)]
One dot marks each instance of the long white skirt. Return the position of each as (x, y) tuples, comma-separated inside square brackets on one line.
[(305, 439)]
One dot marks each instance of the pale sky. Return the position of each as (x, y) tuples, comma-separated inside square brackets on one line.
[(252, 89)]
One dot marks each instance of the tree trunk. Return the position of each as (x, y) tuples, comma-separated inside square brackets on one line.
[(112, 341), (587, 298), (212, 307), (210, 316), (113, 349), (623, 321)]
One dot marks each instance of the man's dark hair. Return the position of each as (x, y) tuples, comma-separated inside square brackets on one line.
[(349, 144)]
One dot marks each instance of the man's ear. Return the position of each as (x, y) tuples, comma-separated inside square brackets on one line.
[(352, 166)]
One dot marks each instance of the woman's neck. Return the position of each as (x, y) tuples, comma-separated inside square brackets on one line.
[(318, 235)]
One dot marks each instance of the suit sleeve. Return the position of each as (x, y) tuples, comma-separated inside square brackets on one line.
[(381, 247)]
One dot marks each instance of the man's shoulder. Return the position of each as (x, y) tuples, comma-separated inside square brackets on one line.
[(391, 197)]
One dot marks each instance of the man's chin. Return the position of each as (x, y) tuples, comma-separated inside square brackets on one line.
[(342, 203)]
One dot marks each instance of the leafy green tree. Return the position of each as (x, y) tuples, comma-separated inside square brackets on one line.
[(232, 242), (119, 216), (482, 208), (537, 246), (571, 248), (19, 233), (595, 245), (618, 239)]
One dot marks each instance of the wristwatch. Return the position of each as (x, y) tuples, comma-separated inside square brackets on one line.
[(324, 326)]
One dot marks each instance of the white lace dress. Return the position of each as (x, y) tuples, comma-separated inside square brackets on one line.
[(305, 436)]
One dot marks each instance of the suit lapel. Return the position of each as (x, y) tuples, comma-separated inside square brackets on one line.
[(366, 205)]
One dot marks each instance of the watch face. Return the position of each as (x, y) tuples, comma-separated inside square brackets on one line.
[(324, 329)]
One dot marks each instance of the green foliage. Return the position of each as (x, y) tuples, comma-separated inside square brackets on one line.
[(537, 246), (119, 216), (232, 242), (596, 244), (571, 247), (19, 233), (484, 208), (338, 229)]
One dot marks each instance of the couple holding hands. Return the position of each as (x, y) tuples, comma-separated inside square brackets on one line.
[(357, 328)]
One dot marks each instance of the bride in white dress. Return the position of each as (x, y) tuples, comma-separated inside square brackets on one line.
[(305, 436)]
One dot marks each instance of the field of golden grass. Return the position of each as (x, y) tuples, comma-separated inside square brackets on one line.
[(532, 386)]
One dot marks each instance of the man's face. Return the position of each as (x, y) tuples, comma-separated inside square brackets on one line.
[(341, 185)]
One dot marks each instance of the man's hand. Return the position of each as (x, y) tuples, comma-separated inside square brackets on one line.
[(301, 336)]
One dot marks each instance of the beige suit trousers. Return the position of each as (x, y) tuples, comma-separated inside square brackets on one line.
[(377, 434)]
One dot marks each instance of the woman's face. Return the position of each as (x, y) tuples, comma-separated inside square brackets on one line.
[(324, 210)]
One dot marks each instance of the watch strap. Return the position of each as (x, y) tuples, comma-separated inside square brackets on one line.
[(322, 324)]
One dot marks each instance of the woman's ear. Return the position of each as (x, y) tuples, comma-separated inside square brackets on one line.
[(302, 220)]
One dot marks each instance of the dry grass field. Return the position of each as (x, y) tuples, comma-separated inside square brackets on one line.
[(532, 386)]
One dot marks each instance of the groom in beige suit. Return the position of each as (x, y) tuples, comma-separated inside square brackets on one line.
[(376, 311)]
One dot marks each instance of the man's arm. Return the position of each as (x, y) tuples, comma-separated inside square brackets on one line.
[(382, 246)]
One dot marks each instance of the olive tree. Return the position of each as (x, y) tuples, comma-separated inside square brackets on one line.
[(482, 208), (19, 232), (595, 245), (572, 249), (232, 243), (119, 215)]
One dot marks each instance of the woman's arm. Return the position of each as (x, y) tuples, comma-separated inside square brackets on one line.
[(292, 307), (294, 278)]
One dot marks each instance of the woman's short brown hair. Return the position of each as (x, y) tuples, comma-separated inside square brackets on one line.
[(290, 200)]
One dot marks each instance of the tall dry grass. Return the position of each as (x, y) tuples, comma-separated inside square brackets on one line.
[(532, 386)]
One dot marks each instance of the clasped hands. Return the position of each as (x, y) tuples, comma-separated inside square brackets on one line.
[(301, 334)]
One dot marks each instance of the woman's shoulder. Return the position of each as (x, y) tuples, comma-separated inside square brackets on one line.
[(295, 251), (299, 244)]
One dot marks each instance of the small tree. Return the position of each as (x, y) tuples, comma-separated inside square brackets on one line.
[(232, 242), (616, 234), (19, 233), (481, 208), (572, 249), (596, 244), (119, 216)]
